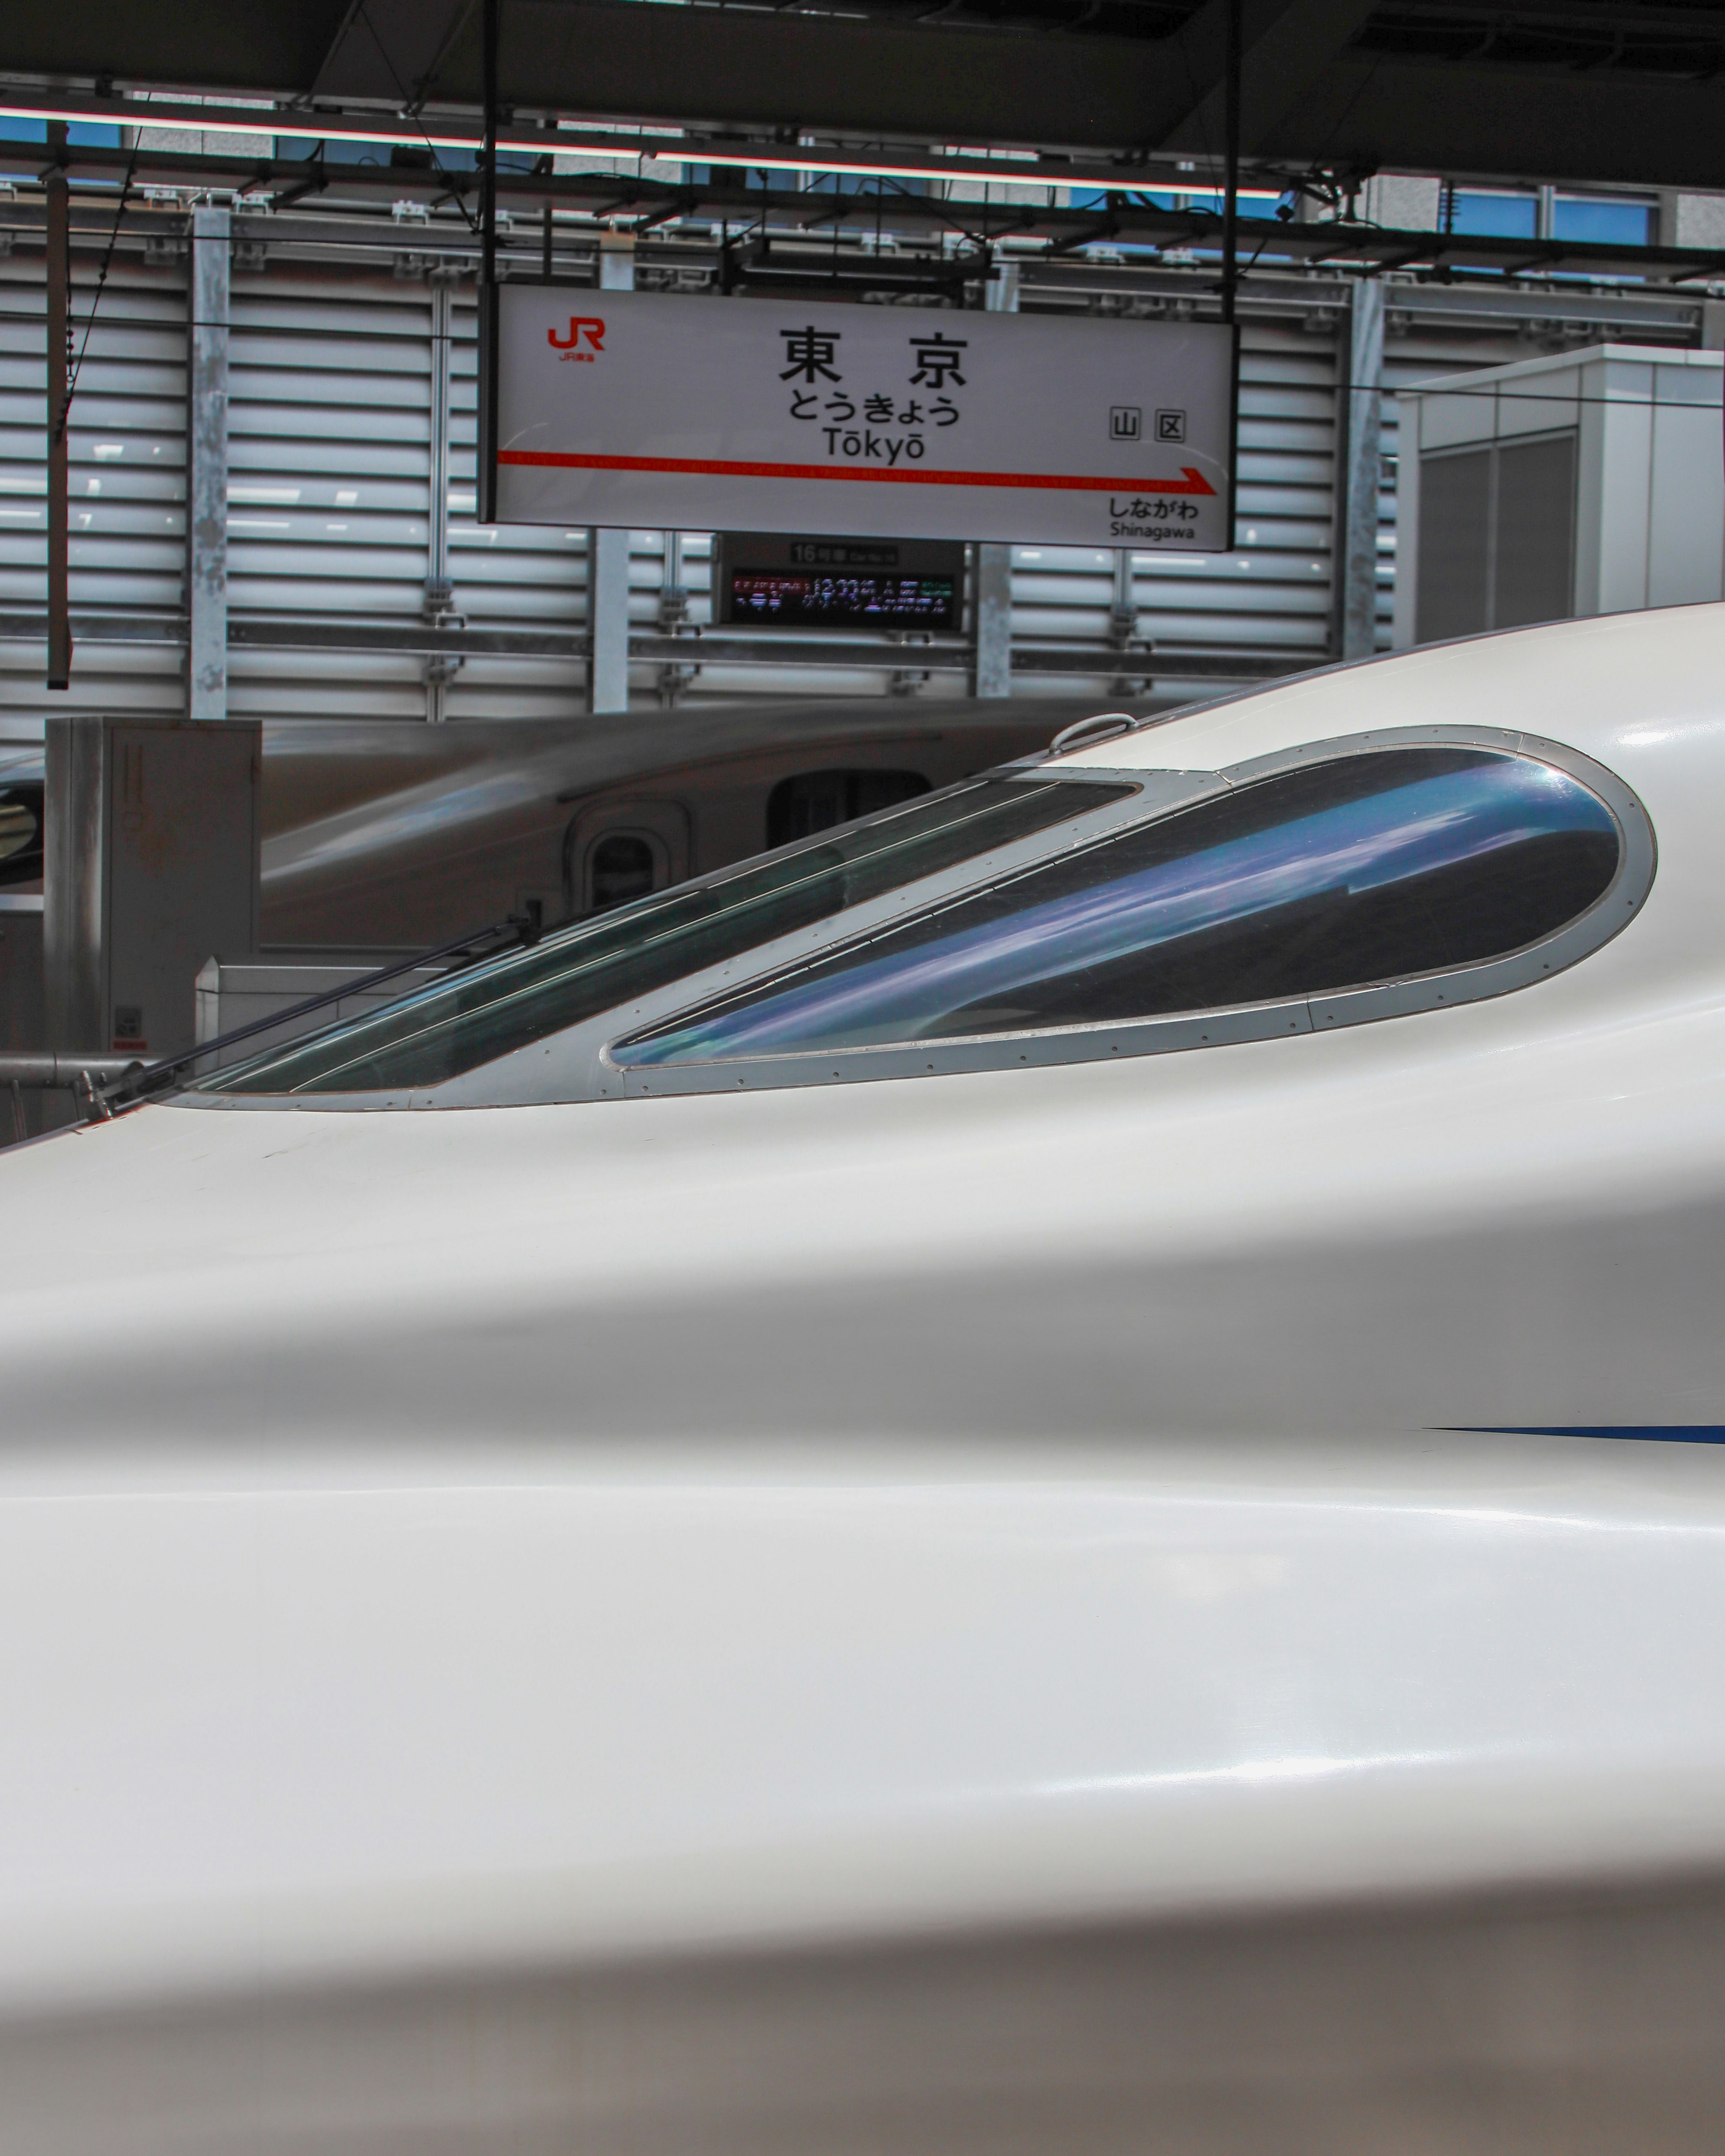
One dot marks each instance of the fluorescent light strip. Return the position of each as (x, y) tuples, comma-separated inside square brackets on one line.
[(1013, 173)]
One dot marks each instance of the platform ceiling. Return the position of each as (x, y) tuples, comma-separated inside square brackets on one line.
[(1576, 91)]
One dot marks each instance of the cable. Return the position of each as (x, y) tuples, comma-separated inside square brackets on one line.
[(407, 112), (96, 300)]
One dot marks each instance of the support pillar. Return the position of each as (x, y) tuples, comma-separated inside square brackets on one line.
[(991, 596), (607, 556), (207, 466), (1359, 474), (438, 607), (485, 469)]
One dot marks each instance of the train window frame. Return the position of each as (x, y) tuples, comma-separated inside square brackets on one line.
[(664, 822), (23, 863), (563, 1066), (576, 1065), (658, 853), (1219, 1026)]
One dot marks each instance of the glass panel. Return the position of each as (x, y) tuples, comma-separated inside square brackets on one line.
[(1514, 217), (20, 823), (1592, 217), (1367, 869), (80, 134), (575, 973), (815, 800), (622, 871)]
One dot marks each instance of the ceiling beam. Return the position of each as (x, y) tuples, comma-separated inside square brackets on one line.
[(243, 45), (1321, 102), (1288, 46), (731, 67), (1466, 118), (640, 204), (743, 67), (391, 50)]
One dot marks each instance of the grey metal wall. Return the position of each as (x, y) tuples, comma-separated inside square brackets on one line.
[(1413, 353)]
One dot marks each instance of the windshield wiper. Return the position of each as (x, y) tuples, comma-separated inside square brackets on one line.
[(140, 1081)]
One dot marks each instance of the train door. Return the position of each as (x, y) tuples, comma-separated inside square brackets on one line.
[(614, 851)]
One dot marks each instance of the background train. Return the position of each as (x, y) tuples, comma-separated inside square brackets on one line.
[(386, 836), (376, 834), (381, 839)]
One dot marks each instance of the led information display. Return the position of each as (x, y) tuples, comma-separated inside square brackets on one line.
[(641, 409), (768, 582)]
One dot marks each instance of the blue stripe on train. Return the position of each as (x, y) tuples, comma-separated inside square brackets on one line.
[(1675, 1433)]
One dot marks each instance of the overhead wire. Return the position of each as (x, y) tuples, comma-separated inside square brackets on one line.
[(409, 112), (96, 298)]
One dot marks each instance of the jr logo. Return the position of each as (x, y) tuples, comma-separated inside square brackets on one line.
[(589, 327)]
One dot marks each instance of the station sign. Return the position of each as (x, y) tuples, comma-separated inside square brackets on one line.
[(645, 410)]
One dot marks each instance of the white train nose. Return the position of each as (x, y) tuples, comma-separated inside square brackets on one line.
[(794, 1602)]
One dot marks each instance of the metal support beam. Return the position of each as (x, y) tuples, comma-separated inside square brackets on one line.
[(991, 599), (439, 602), (58, 413), (486, 489), (1233, 61), (443, 331), (1360, 410), (207, 466), (607, 557)]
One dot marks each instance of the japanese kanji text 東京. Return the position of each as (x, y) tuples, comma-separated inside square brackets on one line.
[(938, 359), (810, 352)]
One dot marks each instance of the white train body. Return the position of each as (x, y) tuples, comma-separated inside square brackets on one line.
[(1033, 1605)]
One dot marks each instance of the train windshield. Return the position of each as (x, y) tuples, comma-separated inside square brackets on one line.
[(1365, 869), (597, 965)]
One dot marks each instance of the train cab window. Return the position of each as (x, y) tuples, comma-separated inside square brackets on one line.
[(591, 966), (1358, 870), (814, 801), (622, 866), (21, 832)]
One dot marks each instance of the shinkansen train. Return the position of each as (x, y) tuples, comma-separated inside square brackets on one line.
[(396, 835), (379, 834), (1037, 1474)]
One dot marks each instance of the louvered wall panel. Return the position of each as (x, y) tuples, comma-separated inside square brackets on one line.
[(510, 575), (329, 470), (127, 455), (1273, 592), (507, 576), (330, 416)]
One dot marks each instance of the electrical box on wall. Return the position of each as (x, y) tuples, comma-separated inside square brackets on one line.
[(151, 869), (1587, 483)]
